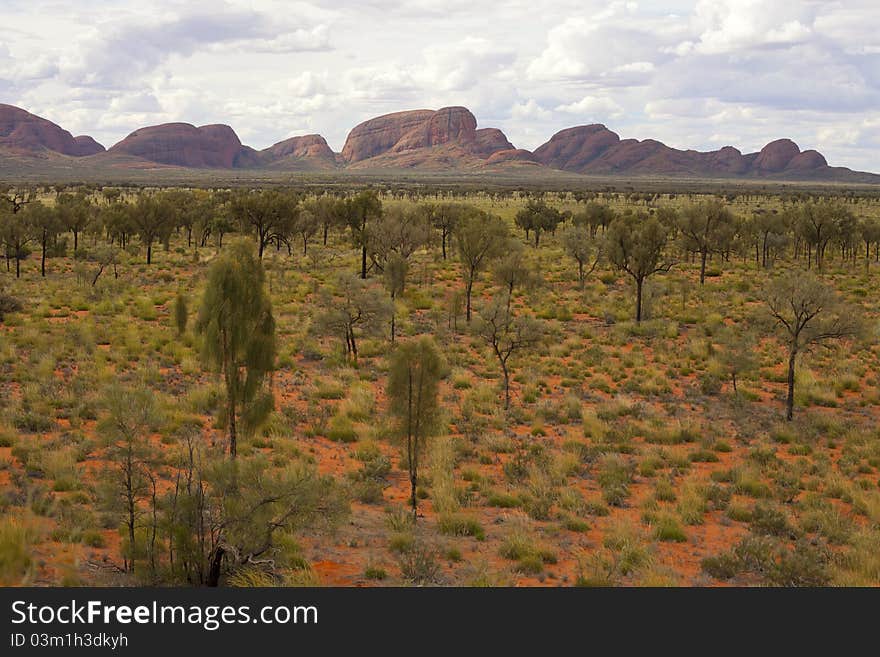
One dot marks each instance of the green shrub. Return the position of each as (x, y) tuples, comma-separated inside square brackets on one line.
[(668, 529), (342, 430), (457, 525)]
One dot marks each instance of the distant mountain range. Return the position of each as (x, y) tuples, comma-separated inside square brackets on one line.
[(443, 140)]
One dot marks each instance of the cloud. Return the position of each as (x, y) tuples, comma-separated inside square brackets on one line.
[(732, 25), (693, 73), (593, 106), (529, 109), (117, 56), (463, 64)]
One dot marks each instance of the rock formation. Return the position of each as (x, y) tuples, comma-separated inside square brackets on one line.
[(26, 133)]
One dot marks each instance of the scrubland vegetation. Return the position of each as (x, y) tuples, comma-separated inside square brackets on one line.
[(387, 386)]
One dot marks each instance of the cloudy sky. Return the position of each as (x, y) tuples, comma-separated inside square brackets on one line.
[(698, 73)]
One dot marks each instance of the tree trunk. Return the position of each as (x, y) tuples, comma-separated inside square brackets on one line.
[(639, 300), (789, 402), (233, 437), (213, 578), (43, 254), (150, 252), (364, 262), (468, 289), (703, 256)]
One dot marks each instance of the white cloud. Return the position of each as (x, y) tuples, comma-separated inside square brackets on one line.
[(592, 106), (693, 73)]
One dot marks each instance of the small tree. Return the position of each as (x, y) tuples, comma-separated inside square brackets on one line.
[(328, 212), (413, 382), (102, 257), (705, 229), (396, 269), (513, 270), (634, 244), (223, 517), (593, 216), (236, 321), (181, 313), (738, 354), (444, 218), (305, 226), (479, 237), (153, 219), (819, 223), (8, 304), (269, 214), (131, 416), (75, 213), (806, 312), (16, 233), (578, 243), (45, 224), (359, 213), (401, 231), (870, 231), (506, 335), (355, 309), (538, 217)]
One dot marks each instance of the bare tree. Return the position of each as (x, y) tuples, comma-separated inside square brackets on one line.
[(506, 335), (806, 312), (132, 414), (579, 244), (352, 309)]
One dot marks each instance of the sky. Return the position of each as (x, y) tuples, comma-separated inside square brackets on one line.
[(694, 74)]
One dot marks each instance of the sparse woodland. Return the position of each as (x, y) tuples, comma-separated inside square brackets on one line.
[(392, 385)]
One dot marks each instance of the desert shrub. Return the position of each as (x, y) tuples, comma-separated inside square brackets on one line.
[(16, 537), (663, 491), (401, 542), (360, 403), (666, 528), (805, 565), (718, 496), (329, 390), (341, 430), (829, 523), (541, 495), (399, 519), (860, 564), (623, 554), (375, 572), (368, 491), (692, 505), (419, 564), (768, 520), (614, 477), (723, 566), (457, 525), (442, 460), (576, 525), (502, 500)]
